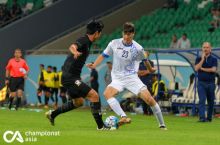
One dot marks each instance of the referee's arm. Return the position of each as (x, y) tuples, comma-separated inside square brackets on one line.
[(7, 73)]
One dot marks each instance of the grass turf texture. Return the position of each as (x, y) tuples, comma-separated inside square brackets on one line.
[(78, 128)]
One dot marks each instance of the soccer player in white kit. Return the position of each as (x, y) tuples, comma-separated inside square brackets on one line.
[(127, 54)]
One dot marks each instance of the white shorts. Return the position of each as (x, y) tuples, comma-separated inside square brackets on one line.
[(132, 83)]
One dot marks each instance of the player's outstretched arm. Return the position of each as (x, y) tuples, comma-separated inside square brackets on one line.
[(96, 63)]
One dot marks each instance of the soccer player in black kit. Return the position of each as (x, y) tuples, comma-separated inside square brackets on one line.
[(71, 80)]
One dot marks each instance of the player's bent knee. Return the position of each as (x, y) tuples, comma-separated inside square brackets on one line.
[(110, 92), (146, 96), (107, 95), (93, 96), (20, 93), (78, 102)]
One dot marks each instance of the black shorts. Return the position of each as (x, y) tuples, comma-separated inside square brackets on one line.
[(77, 88), (55, 90), (16, 84), (62, 90), (41, 88), (48, 89)]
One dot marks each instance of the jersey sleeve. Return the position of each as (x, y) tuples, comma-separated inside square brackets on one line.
[(26, 67), (9, 65), (197, 60), (109, 50), (215, 63), (142, 55)]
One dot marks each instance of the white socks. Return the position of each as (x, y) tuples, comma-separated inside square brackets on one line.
[(115, 106), (158, 114)]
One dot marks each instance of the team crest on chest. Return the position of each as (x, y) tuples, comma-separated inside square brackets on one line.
[(78, 82)]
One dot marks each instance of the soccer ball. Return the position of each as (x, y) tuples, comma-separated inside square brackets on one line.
[(111, 121)]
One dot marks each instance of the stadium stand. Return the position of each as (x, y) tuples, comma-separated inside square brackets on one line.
[(155, 30), (22, 8)]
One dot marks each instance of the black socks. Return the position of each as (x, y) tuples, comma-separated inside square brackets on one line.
[(39, 99), (96, 112), (18, 102), (46, 100), (95, 109), (64, 108), (10, 102), (64, 100)]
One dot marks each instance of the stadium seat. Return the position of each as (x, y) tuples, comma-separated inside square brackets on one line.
[(38, 4), (155, 30)]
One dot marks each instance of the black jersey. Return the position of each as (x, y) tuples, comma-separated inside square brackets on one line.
[(72, 67)]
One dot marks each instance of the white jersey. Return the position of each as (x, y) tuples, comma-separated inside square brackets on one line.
[(126, 58)]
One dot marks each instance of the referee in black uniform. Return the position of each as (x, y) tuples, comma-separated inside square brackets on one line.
[(71, 80)]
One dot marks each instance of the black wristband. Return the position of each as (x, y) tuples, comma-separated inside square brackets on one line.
[(7, 78)]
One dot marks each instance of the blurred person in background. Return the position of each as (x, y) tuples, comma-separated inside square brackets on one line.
[(40, 89), (2, 16), (63, 90), (107, 77), (48, 76), (171, 4), (174, 42), (206, 67), (15, 10), (16, 73), (94, 80), (159, 91), (215, 20), (184, 42), (56, 85)]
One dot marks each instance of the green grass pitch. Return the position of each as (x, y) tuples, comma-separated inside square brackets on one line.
[(78, 128)]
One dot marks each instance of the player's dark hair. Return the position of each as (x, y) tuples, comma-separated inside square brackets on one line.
[(42, 65), (18, 49), (49, 66), (184, 34), (55, 68), (157, 75), (94, 26), (128, 27)]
